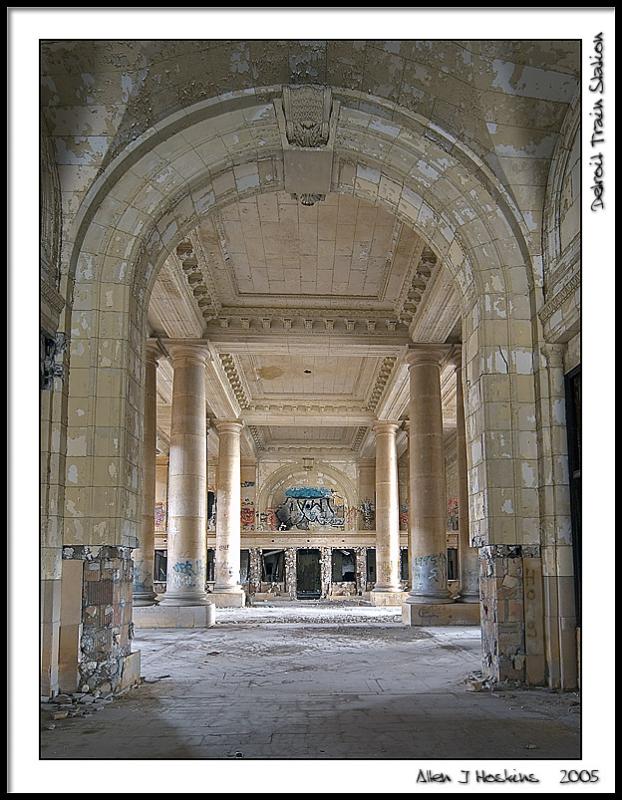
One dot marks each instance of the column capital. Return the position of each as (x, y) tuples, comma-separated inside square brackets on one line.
[(193, 352), (554, 354), (385, 426), (153, 351), (455, 357), (427, 354), (228, 425)]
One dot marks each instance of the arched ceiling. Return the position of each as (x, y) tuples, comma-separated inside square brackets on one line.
[(351, 263), (260, 275)]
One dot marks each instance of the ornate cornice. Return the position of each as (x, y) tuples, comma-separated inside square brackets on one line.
[(235, 382), (386, 368), (258, 437), (411, 295), (560, 298), (309, 320), (358, 438), (198, 280)]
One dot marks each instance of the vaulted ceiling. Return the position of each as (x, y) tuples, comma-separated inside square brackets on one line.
[(307, 310)]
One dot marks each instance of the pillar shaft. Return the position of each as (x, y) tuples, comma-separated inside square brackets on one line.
[(428, 511), (228, 506), (387, 509), (187, 487), (467, 556), (144, 554)]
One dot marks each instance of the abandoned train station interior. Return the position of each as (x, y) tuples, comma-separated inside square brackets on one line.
[(310, 398)]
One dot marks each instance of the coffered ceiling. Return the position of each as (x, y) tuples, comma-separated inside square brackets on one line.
[(308, 311), (273, 250)]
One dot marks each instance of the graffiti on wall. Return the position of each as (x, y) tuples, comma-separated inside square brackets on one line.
[(160, 516), (307, 506), (453, 516), (404, 516), (368, 514)]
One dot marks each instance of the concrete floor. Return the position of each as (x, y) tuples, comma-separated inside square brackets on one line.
[(312, 680)]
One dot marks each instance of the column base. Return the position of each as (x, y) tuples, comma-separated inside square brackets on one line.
[(467, 598), (181, 600), (140, 599), (223, 598), (203, 616), (433, 614), (387, 597)]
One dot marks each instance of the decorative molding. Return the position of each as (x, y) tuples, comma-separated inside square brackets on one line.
[(379, 386), (198, 279), (235, 382), (358, 438), (411, 295), (307, 111), (258, 437), (560, 298), (308, 199)]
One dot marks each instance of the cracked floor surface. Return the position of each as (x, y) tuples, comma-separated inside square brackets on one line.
[(312, 681)]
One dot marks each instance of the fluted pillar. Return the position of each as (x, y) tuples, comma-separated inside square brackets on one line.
[(144, 555), (187, 487), (387, 512), (468, 558), (228, 508), (428, 501)]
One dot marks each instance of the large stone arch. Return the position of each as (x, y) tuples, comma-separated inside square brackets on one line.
[(225, 149)]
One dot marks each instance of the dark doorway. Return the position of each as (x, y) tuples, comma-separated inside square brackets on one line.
[(159, 566), (371, 565), (209, 574), (344, 566), (273, 566), (244, 566), (452, 564), (573, 428), (308, 575), (404, 564)]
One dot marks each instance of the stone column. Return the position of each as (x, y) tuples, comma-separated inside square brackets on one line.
[(227, 590), (387, 590), (290, 572), (255, 565), (326, 570), (361, 569), (187, 485), (144, 555), (468, 556), (428, 501)]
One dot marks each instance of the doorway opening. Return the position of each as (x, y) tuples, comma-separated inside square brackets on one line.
[(308, 575)]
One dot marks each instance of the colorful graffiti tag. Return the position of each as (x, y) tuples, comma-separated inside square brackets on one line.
[(307, 506)]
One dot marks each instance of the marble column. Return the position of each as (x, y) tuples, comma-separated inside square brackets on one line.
[(387, 514), (228, 508), (144, 555), (468, 557), (428, 500), (187, 486)]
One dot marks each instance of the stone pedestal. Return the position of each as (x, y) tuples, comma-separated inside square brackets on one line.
[(143, 555), (187, 500), (163, 616), (227, 589), (236, 599), (387, 514), (512, 625), (387, 598), (433, 614), (428, 502)]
